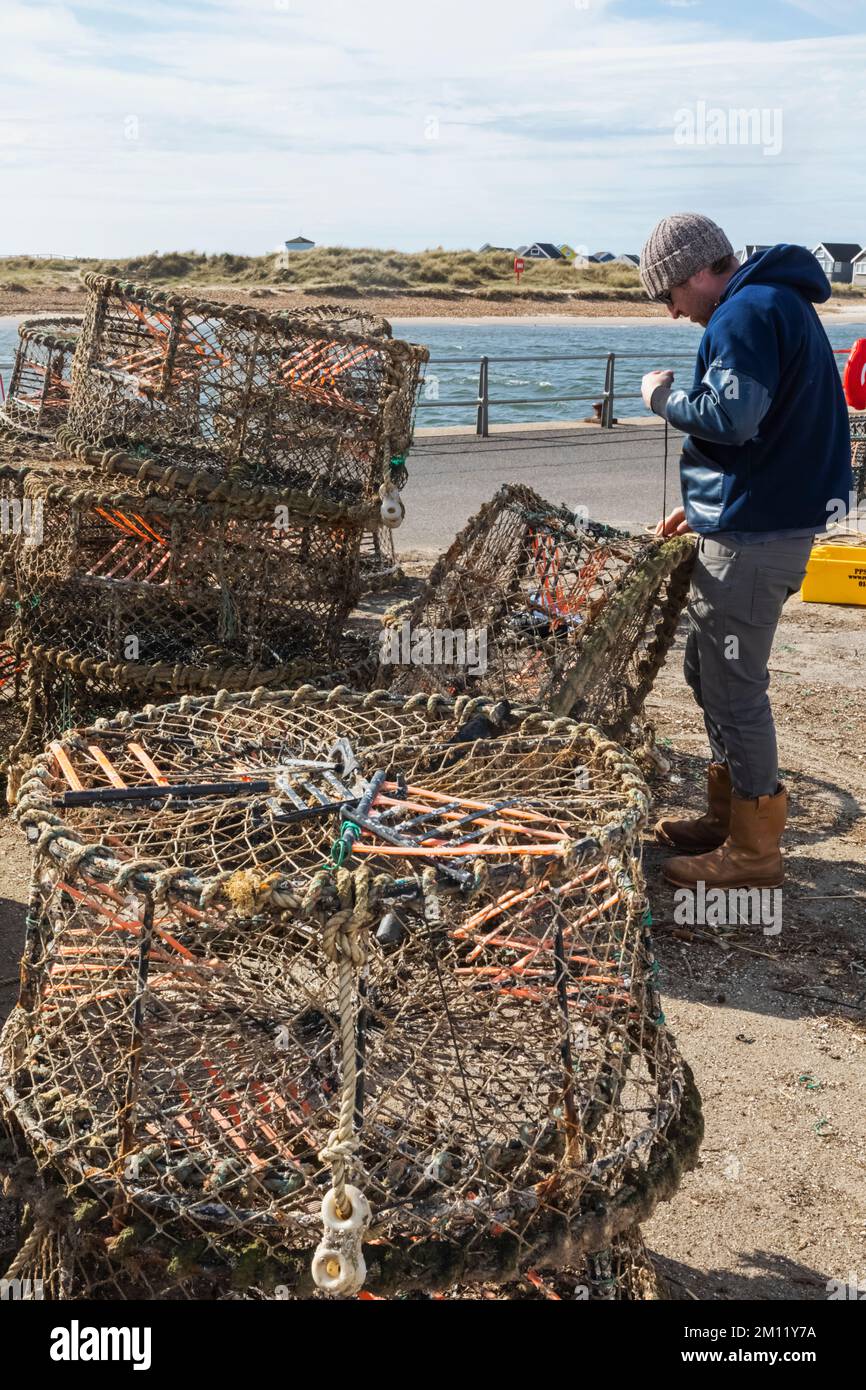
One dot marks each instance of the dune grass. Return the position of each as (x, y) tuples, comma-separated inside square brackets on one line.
[(338, 269), (350, 272)]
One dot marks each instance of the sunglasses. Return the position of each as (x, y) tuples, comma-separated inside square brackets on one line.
[(667, 296)]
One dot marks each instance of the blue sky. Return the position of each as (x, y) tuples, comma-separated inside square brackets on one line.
[(139, 125)]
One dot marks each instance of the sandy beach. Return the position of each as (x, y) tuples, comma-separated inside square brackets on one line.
[(417, 308)]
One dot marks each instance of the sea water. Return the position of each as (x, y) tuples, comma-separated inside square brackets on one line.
[(538, 382)]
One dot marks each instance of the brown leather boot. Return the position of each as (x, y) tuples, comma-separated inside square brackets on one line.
[(751, 856), (708, 830)]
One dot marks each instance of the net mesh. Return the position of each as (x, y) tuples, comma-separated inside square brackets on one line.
[(858, 455), (321, 402), (225, 1017), (531, 604), (226, 542), (40, 386), (129, 576), (378, 559)]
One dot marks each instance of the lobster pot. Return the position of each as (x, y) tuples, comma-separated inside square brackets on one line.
[(46, 691), (128, 577), (11, 526), (858, 453), (39, 390), (531, 603), (223, 1016), (320, 402)]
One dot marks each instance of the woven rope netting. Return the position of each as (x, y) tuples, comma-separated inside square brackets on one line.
[(321, 402), (290, 955), (211, 510), (40, 386), (858, 454), (575, 617), (127, 575), (378, 561), (116, 586)]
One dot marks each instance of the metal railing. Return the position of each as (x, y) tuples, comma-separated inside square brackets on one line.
[(483, 401), (606, 397)]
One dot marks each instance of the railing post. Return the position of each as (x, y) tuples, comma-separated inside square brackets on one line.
[(482, 421), (607, 409)]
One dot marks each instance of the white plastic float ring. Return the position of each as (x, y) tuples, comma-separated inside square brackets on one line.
[(392, 510), (358, 1218), (339, 1271)]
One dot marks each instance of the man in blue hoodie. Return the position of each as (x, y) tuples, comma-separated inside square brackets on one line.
[(767, 456)]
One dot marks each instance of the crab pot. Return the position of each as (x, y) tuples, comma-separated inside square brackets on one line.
[(530, 603), (128, 578), (321, 402), (45, 692), (858, 453), (40, 386), (11, 518), (213, 993)]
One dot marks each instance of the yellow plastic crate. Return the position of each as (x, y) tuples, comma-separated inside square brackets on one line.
[(835, 574)]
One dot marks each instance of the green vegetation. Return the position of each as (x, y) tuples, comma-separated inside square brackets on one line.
[(345, 272), (340, 270)]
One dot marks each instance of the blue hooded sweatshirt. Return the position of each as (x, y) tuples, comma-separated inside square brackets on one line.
[(768, 444)]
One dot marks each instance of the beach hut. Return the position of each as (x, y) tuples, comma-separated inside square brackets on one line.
[(540, 251), (836, 259), (750, 249), (858, 270)]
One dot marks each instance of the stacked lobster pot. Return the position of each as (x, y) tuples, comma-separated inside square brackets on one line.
[(203, 521), (328, 993), (40, 387), (325, 992)]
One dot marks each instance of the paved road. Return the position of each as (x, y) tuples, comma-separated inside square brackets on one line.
[(616, 474)]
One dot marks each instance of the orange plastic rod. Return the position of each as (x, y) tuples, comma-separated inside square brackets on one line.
[(111, 772), (147, 763), (66, 766)]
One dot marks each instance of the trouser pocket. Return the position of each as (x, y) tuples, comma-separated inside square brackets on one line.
[(771, 588)]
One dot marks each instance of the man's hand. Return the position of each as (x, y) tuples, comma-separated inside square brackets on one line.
[(651, 382), (675, 524)]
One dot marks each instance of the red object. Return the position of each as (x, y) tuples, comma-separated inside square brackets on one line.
[(854, 379), (519, 267)]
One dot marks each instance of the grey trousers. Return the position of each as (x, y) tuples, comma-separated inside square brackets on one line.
[(736, 598)]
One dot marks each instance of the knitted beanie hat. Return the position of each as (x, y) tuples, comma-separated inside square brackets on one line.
[(677, 248)]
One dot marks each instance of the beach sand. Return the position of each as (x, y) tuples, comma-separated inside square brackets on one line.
[(419, 309)]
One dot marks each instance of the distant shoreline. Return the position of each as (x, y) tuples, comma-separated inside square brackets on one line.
[(416, 309)]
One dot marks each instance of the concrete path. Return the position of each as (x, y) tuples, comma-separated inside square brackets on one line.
[(616, 474)]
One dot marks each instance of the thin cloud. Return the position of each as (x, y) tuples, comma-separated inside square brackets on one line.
[(230, 124)]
